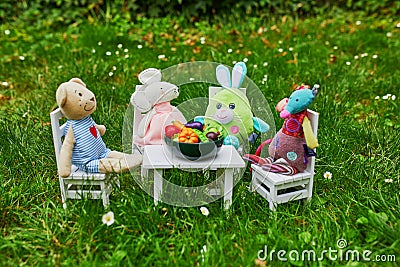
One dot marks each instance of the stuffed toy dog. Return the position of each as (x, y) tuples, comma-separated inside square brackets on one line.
[(230, 107), (152, 100), (83, 145), (293, 143)]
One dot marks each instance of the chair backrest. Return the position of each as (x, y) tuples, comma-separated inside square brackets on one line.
[(138, 116), (57, 130), (313, 116)]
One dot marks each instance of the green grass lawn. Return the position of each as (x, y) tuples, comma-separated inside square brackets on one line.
[(355, 59)]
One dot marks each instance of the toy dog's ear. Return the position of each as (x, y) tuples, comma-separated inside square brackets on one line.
[(139, 100), (77, 80), (223, 76), (238, 74), (149, 76), (61, 95)]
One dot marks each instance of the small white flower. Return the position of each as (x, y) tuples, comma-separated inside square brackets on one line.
[(348, 63), (126, 50), (328, 175), (191, 79), (99, 43), (255, 66), (117, 53), (358, 22), (230, 50), (335, 47), (388, 180), (114, 68), (93, 51), (119, 46), (126, 56), (204, 211), (265, 64), (161, 56), (374, 56), (398, 25), (202, 252), (140, 46), (389, 34), (108, 218), (280, 50), (364, 54), (280, 42), (110, 73), (202, 40), (377, 97), (290, 48), (22, 58), (385, 97), (326, 42), (245, 59), (60, 67), (355, 57), (7, 32), (234, 62), (113, 87), (5, 84), (108, 53), (393, 97)]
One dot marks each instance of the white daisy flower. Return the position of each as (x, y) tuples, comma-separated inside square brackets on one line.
[(204, 211), (140, 46), (108, 218), (388, 180), (328, 175), (108, 53), (7, 32)]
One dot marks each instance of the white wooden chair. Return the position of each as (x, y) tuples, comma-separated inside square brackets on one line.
[(278, 188), (79, 184)]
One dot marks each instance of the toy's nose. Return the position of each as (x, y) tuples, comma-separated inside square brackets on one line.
[(284, 114)]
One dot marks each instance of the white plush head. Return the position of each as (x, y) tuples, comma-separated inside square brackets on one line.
[(75, 100), (153, 91)]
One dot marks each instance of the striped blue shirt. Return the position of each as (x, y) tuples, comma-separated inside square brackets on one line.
[(89, 147)]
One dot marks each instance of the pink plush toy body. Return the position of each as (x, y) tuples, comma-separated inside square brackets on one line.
[(164, 113)]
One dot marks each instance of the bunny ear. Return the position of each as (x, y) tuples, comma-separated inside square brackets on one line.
[(223, 76), (238, 74), (149, 76), (139, 100)]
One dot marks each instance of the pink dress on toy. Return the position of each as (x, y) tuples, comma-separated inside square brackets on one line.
[(165, 114)]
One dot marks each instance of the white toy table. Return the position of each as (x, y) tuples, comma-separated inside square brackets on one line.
[(158, 158)]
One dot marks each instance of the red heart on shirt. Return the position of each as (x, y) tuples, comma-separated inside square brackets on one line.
[(93, 131)]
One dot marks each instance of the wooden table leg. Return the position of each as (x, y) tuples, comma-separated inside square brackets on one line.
[(157, 185), (228, 187)]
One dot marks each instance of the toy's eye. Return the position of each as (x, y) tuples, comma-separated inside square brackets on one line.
[(161, 88), (297, 100), (80, 94), (232, 105), (219, 105)]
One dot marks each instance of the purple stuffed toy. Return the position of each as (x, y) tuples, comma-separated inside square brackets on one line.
[(292, 145)]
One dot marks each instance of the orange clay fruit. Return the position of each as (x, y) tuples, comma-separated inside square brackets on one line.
[(188, 136)]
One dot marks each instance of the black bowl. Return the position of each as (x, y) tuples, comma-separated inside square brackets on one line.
[(194, 151)]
